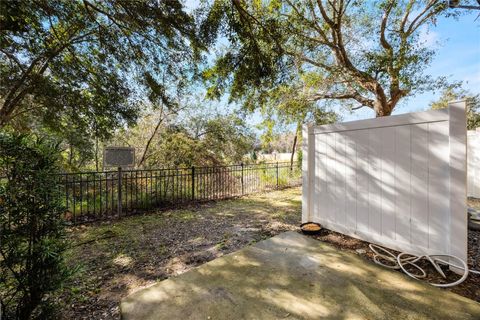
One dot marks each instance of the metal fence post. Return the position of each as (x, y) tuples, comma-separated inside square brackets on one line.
[(193, 182), (119, 192), (243, 191), (277, 174)]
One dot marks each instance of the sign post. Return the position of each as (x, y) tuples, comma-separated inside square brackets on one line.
[(120, 157), (119, 192)]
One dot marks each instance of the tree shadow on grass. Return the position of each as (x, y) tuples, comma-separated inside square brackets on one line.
[(118, 258)]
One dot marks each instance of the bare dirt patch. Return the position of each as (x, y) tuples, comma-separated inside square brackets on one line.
[(120, 257)]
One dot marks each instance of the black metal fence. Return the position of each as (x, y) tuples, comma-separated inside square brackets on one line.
[(100, 195)]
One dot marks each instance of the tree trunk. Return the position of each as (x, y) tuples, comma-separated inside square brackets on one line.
[(70, 155), (96, 153), (144, 156), (382, 109), (294, 145)]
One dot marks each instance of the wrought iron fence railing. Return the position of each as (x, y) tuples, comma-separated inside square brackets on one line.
[(100, 195)]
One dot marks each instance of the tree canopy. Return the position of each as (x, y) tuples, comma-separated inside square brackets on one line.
[(200, 139), (367, 53), (79, 69), (456, 92), (84, 70)]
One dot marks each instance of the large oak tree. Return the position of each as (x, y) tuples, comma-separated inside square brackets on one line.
[(367, 53)]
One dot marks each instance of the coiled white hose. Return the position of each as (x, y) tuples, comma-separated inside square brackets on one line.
[(399, 261)]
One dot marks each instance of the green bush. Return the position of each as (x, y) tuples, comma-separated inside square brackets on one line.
[(32, 237)]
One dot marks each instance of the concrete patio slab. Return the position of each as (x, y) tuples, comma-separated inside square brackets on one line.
[(291, 276)]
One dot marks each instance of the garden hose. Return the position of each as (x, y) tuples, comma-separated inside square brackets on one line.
[(386, 258)]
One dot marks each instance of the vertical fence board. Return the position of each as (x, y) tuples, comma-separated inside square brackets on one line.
[(374, 183), (320, 182), (350, 182), (330, 179), (362, 168), (307, 169), (437, 185), (473, 163), (403, 184), (387, 149), (419, 184), (458, 192), (340, 189)]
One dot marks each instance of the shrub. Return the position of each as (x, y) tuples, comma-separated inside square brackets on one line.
[(31, 226)]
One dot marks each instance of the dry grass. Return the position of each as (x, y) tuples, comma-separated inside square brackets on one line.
[(120, 257)]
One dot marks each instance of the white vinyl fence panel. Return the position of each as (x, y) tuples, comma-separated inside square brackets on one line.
[(397, 181), (473, 161)]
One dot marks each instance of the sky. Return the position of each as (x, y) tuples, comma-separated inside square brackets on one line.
[(457, 46)]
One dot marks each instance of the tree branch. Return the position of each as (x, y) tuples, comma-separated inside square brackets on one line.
[(424, 16), (345, 96), (14, 96), (405, 16), (120, 26), (13, 58), (358, 107), (243, 12), (364, 79), (383, 26), (160, 121)]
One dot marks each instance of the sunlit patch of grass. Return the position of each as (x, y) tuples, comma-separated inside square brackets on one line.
[(184, 215), (197, 240), (221, 245), (122, 260), (224, 243)]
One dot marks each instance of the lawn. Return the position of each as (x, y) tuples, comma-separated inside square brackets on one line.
[(117, 258), (120, 257)]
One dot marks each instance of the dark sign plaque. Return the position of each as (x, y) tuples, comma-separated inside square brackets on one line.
[(119, 157)]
